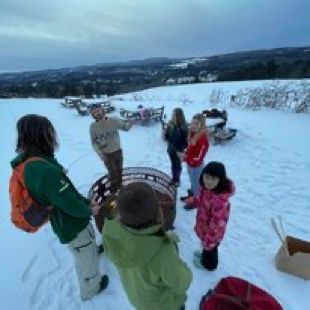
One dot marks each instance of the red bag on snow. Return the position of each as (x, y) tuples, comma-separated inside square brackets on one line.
[(233, 293)]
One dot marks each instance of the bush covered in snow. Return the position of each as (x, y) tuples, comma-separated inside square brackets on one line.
[(274, 95)]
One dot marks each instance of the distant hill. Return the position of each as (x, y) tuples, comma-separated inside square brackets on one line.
[(120, 77)]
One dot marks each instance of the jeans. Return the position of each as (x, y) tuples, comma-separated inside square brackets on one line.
[(194, 174)]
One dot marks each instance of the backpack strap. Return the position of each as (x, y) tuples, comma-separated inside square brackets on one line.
[(29, 159), (32, 158)]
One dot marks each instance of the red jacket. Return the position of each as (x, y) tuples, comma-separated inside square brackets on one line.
[(212, 216), (195, 153)]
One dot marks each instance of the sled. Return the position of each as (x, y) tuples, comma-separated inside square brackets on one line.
[(218, 132), (166, 193)]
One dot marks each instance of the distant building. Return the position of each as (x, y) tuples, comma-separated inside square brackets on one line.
[(203, 77), (171, 81), (208, 78), (186, 80)]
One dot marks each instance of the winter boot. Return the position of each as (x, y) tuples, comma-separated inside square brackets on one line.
[(189, 207), (103, 283), (198, 254), (189, 194), (197, 262), (100, 249)]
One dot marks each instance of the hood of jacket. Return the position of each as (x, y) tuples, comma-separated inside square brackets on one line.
[(128, 247)]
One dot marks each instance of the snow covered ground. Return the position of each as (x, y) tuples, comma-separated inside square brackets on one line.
[(269, 161)]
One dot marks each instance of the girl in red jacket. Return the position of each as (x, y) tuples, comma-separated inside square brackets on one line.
[(195, 153), (213, 209)]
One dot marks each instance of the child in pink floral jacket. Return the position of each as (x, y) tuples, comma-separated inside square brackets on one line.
[(213, 209)]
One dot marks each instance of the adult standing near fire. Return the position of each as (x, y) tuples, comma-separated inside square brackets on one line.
[(105, 139)]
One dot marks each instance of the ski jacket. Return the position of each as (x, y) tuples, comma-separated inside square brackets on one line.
[(49, 185), (196, 152), (212, 216), (152, 273), (176, 137)]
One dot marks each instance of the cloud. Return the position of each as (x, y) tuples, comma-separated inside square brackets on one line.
[(100, 31)]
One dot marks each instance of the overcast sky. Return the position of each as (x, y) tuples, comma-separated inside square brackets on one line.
[(40, 34)]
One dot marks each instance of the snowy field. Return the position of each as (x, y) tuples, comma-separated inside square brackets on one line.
[(269, 161)]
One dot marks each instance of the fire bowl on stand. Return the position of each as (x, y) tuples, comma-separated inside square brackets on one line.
[(161, 183)]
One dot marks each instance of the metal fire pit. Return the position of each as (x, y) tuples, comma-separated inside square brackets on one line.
[(159, 181)]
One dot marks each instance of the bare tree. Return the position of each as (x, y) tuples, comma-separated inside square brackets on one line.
[(217, 96)]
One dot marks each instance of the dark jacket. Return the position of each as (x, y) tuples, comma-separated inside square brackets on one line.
[(49, 185), (176, 137)]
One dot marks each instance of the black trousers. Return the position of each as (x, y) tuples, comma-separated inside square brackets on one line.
[(176, 165), (209, 259)]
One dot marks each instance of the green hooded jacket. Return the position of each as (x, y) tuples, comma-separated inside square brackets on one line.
[(152, 273), (48, 184)]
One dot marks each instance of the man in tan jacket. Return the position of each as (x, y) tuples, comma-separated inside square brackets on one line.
[(105, 140)]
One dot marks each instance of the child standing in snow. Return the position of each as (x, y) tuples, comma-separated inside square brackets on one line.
[(213, 210), (151, 270), (176, 136), (195, 153)]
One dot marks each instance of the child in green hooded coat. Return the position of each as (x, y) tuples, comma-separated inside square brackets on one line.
[(152, 273)]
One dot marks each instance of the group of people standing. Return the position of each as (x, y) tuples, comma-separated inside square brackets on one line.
[(151, 270), (210, 188)]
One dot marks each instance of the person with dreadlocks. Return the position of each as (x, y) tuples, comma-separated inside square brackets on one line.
[(70, 212)]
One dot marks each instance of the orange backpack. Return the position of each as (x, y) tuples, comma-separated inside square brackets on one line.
[(27, 214)]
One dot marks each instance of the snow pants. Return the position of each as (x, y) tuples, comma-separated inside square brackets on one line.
[(85, 253)]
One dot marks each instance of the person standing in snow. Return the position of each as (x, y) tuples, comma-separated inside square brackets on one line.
[(152, 273), (71, 213), (105, 140), (213, 210), (194, 154), (176, 136)]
